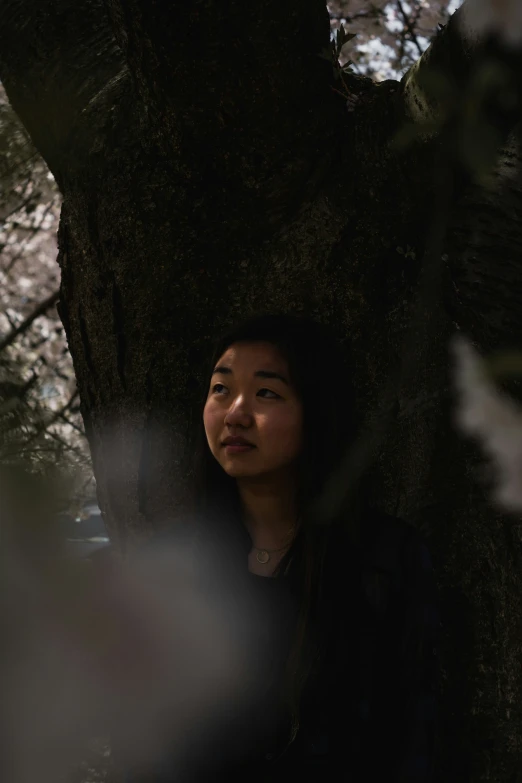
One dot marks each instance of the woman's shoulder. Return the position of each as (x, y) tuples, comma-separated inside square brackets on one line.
[(375, 529), (379, 528), (385, 543), (390, 565)]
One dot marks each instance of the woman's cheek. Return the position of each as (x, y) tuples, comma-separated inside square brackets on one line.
[(210, 423), (294, 437), (287, 434)]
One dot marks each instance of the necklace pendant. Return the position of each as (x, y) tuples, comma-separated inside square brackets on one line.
[(262, 556)]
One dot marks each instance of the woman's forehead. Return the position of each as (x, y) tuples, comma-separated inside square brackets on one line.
[(252, 353)]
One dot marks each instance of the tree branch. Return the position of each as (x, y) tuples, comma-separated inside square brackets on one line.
[(471, 85), (62, 72), (32, 233), (410, 26), (464, 95), (370, 13), (238, 92), (74, 426), (68, 446), (26, 323), (44, 426), (19, 206)]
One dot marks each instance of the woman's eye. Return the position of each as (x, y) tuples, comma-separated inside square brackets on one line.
[(219, 388), (215, 387), (275, 396)]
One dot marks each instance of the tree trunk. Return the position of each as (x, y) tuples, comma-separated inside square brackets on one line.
[(209, 171)]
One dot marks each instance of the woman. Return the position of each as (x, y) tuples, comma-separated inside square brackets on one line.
[(338, 614)]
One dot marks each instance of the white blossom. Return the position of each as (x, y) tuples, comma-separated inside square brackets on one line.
[(138, 647), (495, 420)]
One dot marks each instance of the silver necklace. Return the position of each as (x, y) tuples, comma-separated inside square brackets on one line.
[(263, 555)]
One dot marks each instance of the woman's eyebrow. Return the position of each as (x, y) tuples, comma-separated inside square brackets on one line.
[(271, 374), (222, 370)]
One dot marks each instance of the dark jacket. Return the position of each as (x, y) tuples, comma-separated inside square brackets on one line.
[(369, 708), (378, 685)]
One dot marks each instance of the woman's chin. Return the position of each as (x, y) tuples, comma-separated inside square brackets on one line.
[(238, 468), (240, 471)]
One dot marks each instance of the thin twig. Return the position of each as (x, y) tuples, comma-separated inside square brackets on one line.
[(17, 166), (42, 428), (371, 12), (79, 453), (410, 27), (26, 323), (67, 420), (24, 203), (33, 231)]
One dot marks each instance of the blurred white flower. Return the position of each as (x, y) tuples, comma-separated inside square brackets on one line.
[(138, 648), (501, 17), (490, 416)]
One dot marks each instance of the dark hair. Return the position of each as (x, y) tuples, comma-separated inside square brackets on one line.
[(321, 374)]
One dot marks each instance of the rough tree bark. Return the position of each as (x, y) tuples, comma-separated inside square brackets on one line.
[(208, 171)]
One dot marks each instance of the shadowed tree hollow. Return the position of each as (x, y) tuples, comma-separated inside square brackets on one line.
[(211, 168)]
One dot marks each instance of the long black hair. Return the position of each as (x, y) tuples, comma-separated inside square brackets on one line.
[(321, 374)]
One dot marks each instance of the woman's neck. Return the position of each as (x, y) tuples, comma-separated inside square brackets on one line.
[(269, 511)]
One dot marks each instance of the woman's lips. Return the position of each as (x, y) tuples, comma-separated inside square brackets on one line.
[(235, 448)]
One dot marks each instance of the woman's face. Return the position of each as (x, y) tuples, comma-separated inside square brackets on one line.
[(250, 397)]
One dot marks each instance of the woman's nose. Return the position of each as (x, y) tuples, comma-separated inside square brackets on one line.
[(238, 414)]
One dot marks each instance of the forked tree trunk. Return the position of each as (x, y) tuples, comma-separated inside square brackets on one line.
[(208, 171)]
